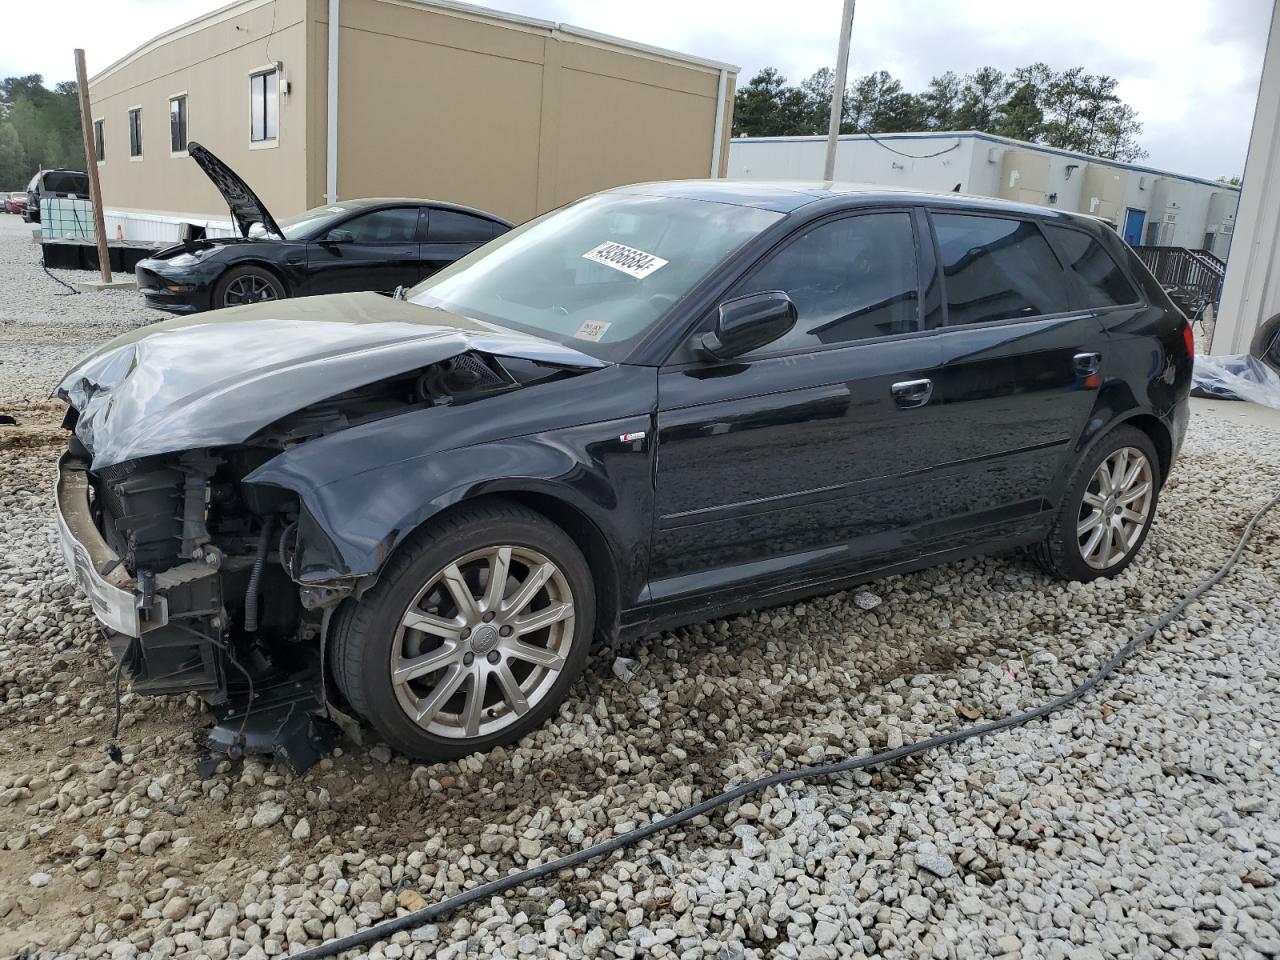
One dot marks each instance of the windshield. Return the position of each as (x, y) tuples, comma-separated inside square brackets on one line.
[(596, 275), (312, 221)]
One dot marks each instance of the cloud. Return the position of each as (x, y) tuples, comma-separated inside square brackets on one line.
[(1189, 68)]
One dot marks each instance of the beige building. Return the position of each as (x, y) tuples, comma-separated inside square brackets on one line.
[(317, 100)]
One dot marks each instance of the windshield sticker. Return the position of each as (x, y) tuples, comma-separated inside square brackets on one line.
[(632, 262), (592, 330)]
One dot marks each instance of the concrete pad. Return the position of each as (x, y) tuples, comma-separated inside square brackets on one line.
[(1253, 413), (117, 283)]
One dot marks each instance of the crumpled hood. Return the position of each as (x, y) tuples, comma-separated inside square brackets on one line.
[(217, 378)]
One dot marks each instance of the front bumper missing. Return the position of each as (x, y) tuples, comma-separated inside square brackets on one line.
[(112, 591)]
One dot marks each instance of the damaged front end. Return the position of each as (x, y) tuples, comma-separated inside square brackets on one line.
[(203, 581), (188, 570)]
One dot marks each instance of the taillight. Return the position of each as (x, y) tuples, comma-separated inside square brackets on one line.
[(1189, 338)]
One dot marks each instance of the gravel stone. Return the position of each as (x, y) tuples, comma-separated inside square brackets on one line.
[(1140, 822)]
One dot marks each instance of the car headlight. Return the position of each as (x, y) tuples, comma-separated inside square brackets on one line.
[(184, 260)]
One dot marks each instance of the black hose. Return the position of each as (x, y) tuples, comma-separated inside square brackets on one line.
[(259, 563), (381, 931)]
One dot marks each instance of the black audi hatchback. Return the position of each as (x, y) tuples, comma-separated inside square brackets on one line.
[(659, 404)]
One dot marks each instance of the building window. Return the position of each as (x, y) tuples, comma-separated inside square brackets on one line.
[(135, 132), (264, 107), (99, 141), (178, 124)]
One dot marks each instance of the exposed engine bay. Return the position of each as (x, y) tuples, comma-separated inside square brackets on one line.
[(209, 562)]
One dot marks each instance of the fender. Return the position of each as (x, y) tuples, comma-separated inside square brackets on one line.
[(365, 489)]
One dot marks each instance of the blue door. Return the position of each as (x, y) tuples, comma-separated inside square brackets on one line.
[(1133, 220)]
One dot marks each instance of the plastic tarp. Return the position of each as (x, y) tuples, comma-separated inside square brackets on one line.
[(1236, 377)]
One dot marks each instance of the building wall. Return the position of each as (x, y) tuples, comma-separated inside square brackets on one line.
[(1251, 291), (513, 116), (996, 167), (210, 61), (513, 119)]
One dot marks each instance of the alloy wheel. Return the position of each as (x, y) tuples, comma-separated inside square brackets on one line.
[(1115, 508), (483, 642), (248, 289)]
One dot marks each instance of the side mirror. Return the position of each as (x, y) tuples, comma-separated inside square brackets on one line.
[(748, 323), (339, 236)]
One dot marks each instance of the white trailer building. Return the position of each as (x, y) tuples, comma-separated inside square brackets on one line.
[(1148, 206)]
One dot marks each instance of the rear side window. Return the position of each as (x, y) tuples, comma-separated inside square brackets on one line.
[(1101, 281), (997, 269), (450, 226), (850, 279)]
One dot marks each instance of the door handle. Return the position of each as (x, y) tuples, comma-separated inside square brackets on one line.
[(1087, 364), (912, 393)]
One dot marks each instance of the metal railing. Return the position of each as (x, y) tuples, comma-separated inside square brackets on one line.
[(1195, 273)]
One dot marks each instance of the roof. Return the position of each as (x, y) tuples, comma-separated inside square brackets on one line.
[(993, 138), (449, 6), (785, 196)]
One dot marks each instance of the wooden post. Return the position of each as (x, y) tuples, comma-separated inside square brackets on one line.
[(837, 90), (91, 160)]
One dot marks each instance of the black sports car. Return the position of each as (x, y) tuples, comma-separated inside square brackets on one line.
[(355, 245), (662, 403)]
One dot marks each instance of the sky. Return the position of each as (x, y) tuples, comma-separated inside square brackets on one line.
[(1189, 67)]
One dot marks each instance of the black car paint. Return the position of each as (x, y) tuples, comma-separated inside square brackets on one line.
[(310, 264), (307, 266), (862, 488), (762, 480)]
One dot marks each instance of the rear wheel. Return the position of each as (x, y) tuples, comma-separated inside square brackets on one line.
[(1107, 510), (472, 636), (247, 284)]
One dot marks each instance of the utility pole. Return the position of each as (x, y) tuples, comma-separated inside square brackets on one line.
[(837, 90), (91, 161)]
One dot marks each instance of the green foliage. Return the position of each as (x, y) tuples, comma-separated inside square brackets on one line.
[(39, 128), (1070, 109), (1230, 181)]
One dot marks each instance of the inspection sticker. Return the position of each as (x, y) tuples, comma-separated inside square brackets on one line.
[(633, 262), (592, 330)]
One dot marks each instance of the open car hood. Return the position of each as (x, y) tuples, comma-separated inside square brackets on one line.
[(246, 208), (215, 379)]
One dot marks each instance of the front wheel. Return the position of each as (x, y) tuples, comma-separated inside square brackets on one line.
[(247, 284), (472, 636), (1107, 509)]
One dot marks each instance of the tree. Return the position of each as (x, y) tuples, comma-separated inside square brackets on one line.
[(1070, 109), (984, 92), (877, 103), (1230, 181), (767, 107), (941, 101), (45, 127)]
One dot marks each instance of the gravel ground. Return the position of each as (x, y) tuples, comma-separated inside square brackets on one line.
[(1142, 823)]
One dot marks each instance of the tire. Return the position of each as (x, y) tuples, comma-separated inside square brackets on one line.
[(246, 284), (1070, 551), (435, 715)]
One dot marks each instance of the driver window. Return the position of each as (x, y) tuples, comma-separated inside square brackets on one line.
[(397, 225), (851, 279)]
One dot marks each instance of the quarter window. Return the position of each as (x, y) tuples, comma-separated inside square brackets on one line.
[(264, 107), (397, 225), (135, 132), (99, 140), (1101, 282), (997, 269), (178, 125), (450, 226), (850, 279)]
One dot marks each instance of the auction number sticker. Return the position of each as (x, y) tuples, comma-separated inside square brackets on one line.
[(592, 330), (632, 262)]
